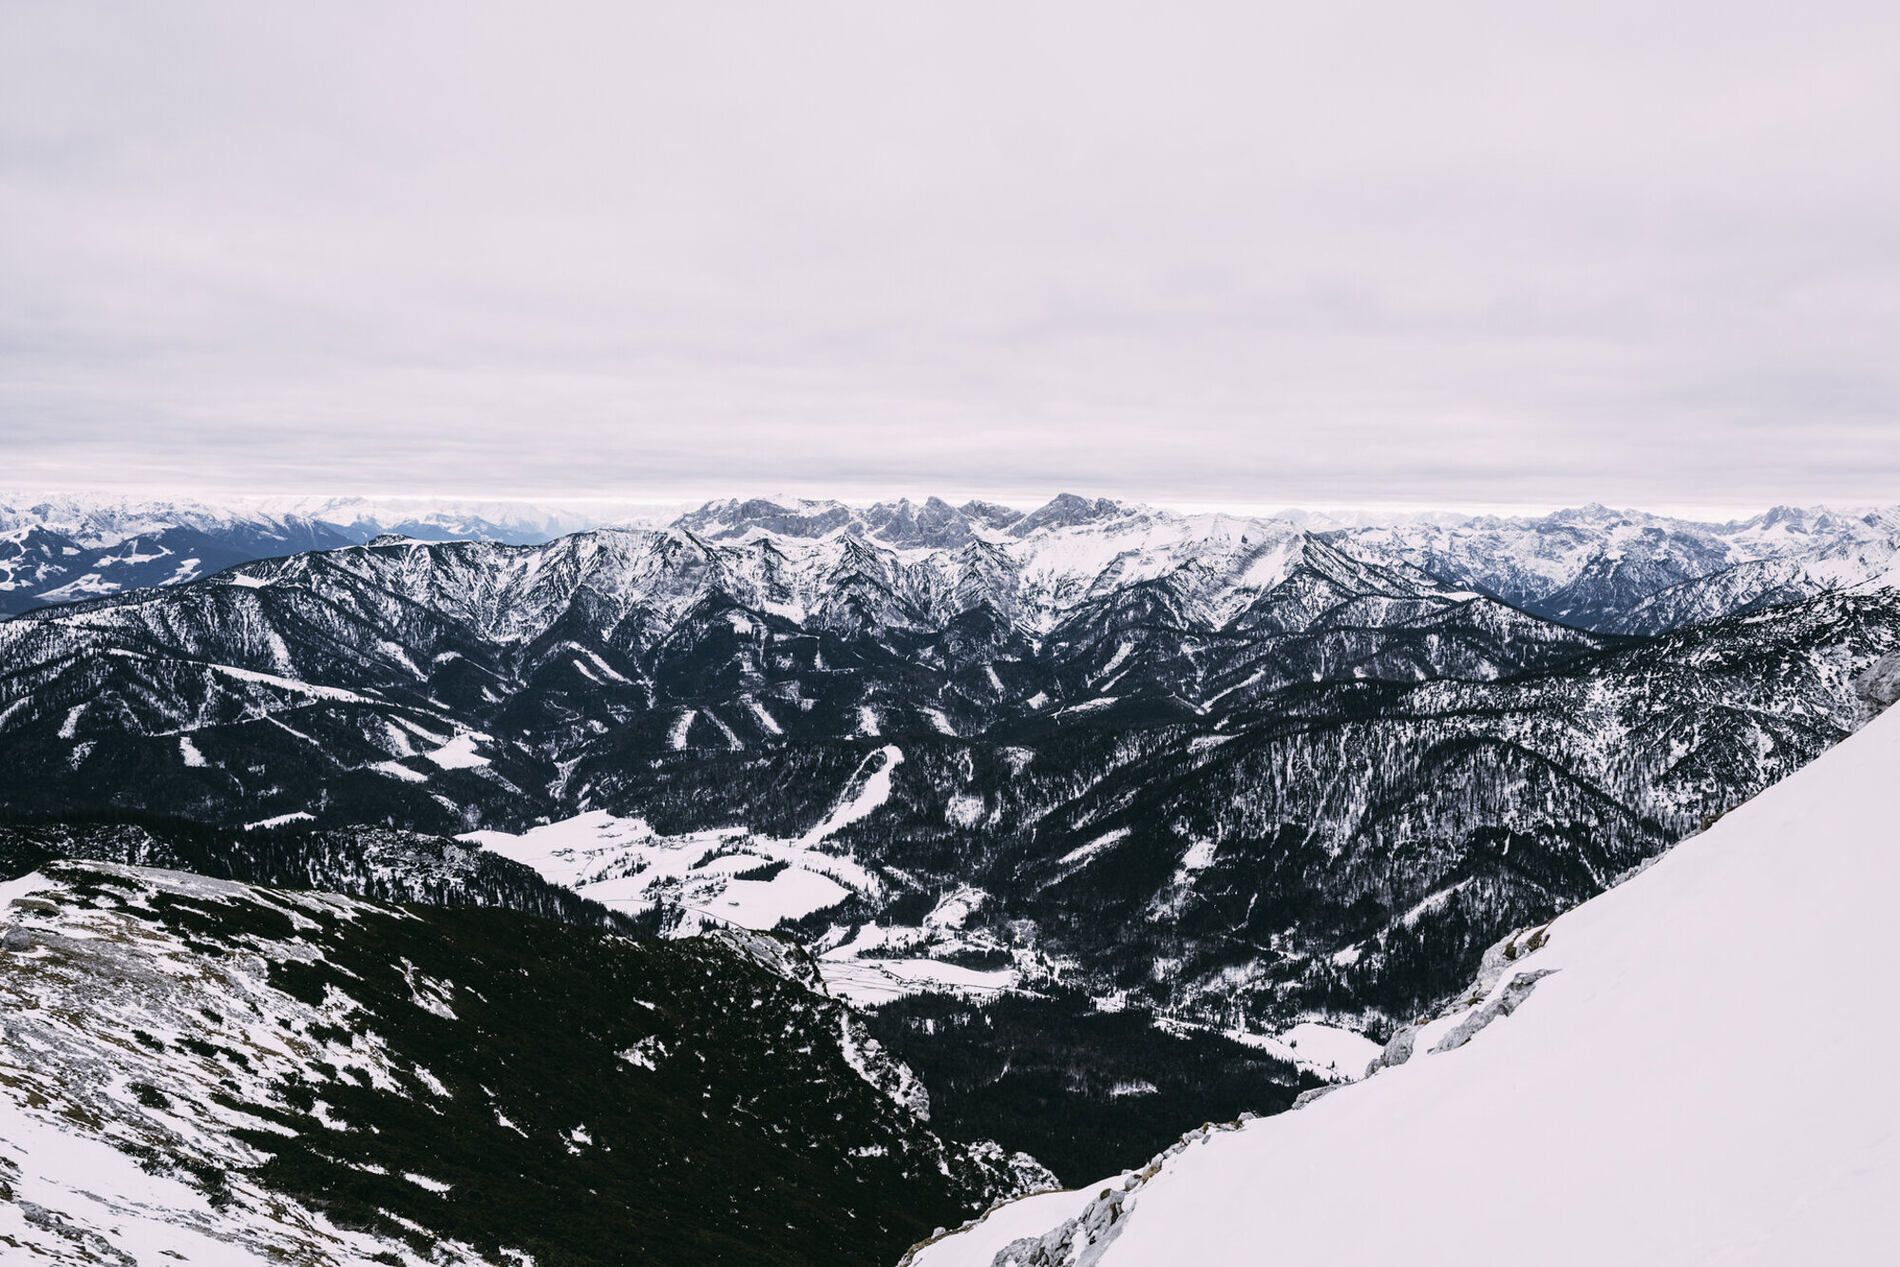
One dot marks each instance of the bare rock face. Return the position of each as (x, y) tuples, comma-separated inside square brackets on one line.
[(1398, 1050), (1879, 686), (1515, 991)]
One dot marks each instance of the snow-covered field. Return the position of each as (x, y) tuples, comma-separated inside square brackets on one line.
[(707, 877), (86, 995), (624, 864), (867, 982), (1327, 1051), (1687, 1069)]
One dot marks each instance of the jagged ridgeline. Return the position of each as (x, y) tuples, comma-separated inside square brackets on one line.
[(242, 1073)]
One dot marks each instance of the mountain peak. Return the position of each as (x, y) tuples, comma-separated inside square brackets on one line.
[(1068, 510)]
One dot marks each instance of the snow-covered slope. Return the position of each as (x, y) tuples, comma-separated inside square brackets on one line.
[(204, 1071), (1688, 1069)]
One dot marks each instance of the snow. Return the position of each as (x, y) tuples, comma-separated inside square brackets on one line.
[(954, 911), (1700, 1078), (964, 809), (1081, 853), (1430, 903), (189, 751), (978, 1244), (888, 1076), (336, 693), (873, 792), (732, 740), (1325, 1051), (623, 863), (792, 894), (869, 982), (1199, 855), (458, 753), (1328, 1046), (90, 585), (766, 719), (644, 1054), (71, 1135), (91, 1184), (601, 668), (299, 816)]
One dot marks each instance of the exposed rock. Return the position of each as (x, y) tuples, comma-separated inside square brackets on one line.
[(1879, 686), (1398, 1050), (1515, 991)]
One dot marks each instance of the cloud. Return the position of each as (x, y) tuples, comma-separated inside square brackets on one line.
[(1372, 252)]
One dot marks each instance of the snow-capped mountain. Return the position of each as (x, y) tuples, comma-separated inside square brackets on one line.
[(1627, 571), (61, 549), (1220, 777), (1590, 567), (93, 550), (1684, 1069), (204, 1070), (450, 519)]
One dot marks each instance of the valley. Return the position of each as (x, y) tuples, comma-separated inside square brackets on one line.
[(1100, 821)]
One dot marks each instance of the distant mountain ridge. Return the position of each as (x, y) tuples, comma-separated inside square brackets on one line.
[(67, 548), (1590, 567)]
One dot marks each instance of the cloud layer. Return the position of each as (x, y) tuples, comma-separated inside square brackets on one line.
[(1262, 253)]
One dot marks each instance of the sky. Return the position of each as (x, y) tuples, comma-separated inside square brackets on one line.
[(1263, 254)]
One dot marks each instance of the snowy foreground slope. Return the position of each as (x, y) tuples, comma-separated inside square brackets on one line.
[(227, 1074), (1689, 1069)]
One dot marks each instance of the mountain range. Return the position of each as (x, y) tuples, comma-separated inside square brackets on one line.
[(1222, 785), (64, 548), (1590, 567)]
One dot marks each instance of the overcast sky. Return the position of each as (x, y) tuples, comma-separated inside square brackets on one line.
[(1525, 253)]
